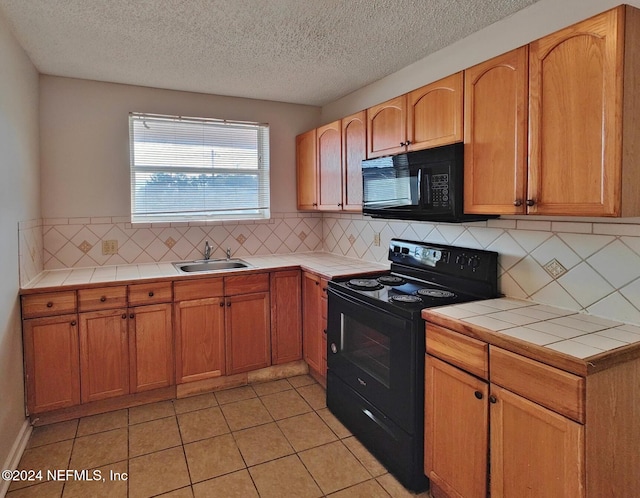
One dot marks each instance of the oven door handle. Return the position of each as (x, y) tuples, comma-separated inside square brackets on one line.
[(379, 423)]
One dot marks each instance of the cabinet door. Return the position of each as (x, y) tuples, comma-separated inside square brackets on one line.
[(151, 347), (575, 118), (534, 452), (199, 339), (286, 317), (311, 321), (455, 431), (434, 113), (306, 170), (329, 167), (495, 142), (104, 354), (387, 127), (354, 150), (52, 368), (248, 337)]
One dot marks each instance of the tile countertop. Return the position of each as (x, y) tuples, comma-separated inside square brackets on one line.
[(325, 264), (576, 342)]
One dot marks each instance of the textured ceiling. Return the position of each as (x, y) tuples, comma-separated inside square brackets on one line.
[(301, 51)]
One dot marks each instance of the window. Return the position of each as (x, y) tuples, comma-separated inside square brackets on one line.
[(189, 169)]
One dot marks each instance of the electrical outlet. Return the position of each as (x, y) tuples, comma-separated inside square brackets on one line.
[(376, 239), (109, 247)]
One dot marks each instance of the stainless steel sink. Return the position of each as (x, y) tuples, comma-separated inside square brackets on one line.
[(209, 265)]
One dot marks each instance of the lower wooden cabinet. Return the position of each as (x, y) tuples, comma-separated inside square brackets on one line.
[(286, 316), (52, 364), (104, 354), (151, 347), (455, 446), (248, 332), (314, 324)]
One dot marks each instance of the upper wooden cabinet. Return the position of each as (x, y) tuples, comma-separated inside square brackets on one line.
[(434, 113), (495, 135), (426, 117), (583, 118), (306, 170), (329, 166), (354, 150), (387, 127)]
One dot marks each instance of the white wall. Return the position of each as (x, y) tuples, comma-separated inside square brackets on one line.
[(19, 201), (85, 141), (537, 20)]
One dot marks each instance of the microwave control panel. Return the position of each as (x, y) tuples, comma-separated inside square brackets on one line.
[(440, 190)]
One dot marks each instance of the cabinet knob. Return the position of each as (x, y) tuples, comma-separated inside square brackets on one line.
[(408, 142), (151, 294), (103, 299), (402, 144), (228, 305), (493, 399), (73, 323), (314, 204), (517, 202), (132, 316), (124, 316), (317, 283), (339, 204), (49, 304), (530, 202), (478, 394), (221, 304), (325, 331)]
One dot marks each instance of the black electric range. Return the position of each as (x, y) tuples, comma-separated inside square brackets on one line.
[(376, 346)]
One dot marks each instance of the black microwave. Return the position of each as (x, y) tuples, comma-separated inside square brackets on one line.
[(425, 185)]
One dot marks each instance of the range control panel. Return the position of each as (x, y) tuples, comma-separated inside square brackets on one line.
[(475, 264)]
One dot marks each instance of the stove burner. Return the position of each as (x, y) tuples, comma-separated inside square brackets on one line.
[(405, 298), (364, 284), (391, 280), (435, 293)]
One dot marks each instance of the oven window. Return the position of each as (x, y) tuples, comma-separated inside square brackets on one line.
[(366, 348)]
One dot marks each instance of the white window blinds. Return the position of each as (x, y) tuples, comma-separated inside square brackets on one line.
[(190, 169)]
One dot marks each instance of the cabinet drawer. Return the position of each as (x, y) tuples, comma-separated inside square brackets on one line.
[(556, 389), (465, 352), (50, 303), (155, 293), (102, 298), (188, 290), (246, 284)]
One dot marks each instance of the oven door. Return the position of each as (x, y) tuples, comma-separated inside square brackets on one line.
[(373, 352)]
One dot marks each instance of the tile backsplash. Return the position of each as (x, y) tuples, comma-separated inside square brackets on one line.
[(582, 266)]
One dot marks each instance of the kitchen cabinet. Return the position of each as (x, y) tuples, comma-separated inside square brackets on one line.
[(354, 150), (329, 166), (52, 366), (557, 425), (435, 113), (199, 329), (125, 349), (495, 135), (306, 172), (286, 316), (312, 331), (387, 127), (582, 106), (104, 354), (426, 117)]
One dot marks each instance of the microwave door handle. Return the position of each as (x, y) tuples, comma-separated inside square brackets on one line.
[(419, 187)]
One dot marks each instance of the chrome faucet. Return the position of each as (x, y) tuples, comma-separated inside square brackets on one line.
[(207, 250), (228, 253)]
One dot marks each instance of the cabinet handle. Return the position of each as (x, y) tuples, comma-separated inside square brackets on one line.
[(103, 299), (221, 304), (530, 202), (493, 399), (73, 323), (517, 202), (478, 394), (124, 316), (314, 204), (151, 294), (339, 204), (325, 331), (49, 304), (402, 144), (317, 283), (408, 142), (132, 316), (228, 305)]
